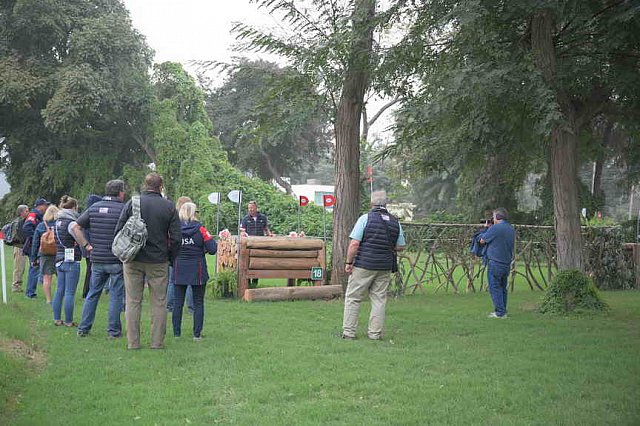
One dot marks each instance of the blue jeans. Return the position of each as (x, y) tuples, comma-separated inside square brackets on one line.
[(101, 274), (32, 281), (68, 276), (171, 294), (198, 313), (498, 273)]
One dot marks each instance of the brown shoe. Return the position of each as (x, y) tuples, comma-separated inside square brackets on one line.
[(16, 289)]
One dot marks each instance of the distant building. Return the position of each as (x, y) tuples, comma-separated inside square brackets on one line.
[(313, 191)]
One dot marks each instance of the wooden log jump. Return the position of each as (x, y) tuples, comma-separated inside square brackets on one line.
[(279, 257), (273, 294)]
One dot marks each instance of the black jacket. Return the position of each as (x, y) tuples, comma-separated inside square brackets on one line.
[(163, 228)]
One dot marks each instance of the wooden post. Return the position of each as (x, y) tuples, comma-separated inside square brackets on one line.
[(243, 267)]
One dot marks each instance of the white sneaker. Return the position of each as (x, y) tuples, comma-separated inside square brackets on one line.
[(494, 315)]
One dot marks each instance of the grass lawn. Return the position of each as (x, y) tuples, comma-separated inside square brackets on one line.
[(442, 362)]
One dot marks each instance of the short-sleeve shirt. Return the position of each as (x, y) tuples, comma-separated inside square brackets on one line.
[(254, 225), (357, 233)]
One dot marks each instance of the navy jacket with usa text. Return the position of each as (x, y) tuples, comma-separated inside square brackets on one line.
[(190, 267)]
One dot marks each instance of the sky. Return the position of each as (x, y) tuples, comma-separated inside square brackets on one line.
[(192, 29), (186, 30)]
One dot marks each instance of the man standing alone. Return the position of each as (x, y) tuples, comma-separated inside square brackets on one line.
[(151, 264), (101, 219), (371, 257), (499, 238)]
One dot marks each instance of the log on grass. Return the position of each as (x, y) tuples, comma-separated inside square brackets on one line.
[(282, 263), (274, 294), (283, 243)]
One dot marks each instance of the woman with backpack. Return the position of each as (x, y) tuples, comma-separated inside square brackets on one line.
[(43, 250), (68, 258), (190, 269)]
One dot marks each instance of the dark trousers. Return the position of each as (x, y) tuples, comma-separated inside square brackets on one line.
[(498, 273), (198, 308)]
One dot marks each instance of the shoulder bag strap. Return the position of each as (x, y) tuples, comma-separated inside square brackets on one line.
[(135, 202)]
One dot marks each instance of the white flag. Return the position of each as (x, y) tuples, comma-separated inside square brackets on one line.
[(214, 197), (234, 195)]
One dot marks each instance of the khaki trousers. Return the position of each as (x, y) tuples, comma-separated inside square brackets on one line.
[(18, 267), (360, 281), (135, 276)]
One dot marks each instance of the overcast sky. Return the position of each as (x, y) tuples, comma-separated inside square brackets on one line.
[(187, 30), (192, 29)]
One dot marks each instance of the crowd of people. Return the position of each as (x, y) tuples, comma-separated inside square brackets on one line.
[(55, 239), (172, 262)]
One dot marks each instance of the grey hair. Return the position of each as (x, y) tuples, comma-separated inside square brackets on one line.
[(379, 198), (501, 213), (21, 208), (114, 187), (187, 212)]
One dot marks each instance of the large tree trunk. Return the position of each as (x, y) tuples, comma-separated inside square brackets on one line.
[(347, 130), (564, 178), (564, 149)]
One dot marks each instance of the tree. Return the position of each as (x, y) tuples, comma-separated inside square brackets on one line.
[(270, 120), (567, 62), (333, 42), (74, 78)]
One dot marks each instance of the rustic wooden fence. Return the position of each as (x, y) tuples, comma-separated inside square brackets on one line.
[(438, 258)]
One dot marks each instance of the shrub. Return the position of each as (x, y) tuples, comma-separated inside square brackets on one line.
[(572, 291), (225, 283)]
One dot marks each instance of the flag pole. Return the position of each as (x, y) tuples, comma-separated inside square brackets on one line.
[(298, 230), (239, 210), (218, 213)]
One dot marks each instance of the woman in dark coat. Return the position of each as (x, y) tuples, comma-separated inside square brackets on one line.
[(190, 269)]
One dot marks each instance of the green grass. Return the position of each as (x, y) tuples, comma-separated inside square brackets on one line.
[(443, 362)]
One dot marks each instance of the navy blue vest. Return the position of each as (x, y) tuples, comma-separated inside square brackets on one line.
[(103, 218), (375, 252), (255, 227), (65, 240)]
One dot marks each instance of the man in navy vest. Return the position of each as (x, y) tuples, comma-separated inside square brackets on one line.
[(499, 239), (101, 219), (371, 257), (255, 223)]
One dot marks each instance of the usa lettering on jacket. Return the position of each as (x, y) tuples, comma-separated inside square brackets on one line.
[(188, 241)]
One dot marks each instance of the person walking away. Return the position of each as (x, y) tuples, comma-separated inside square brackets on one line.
[(170, 287), (45, 262), (500, 240), (99, 221), (371, 257), (68, 257), (190, 268), (30, 223), (19, 259), (151, 262)]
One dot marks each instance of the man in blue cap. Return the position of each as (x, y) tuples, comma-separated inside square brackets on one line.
[(32, 220)]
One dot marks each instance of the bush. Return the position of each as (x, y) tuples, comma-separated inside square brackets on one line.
[(572, 291), (225, 284)]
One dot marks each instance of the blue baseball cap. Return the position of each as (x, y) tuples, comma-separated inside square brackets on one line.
[(41, 202)]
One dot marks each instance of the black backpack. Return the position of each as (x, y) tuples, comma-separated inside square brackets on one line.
[(13, 232)]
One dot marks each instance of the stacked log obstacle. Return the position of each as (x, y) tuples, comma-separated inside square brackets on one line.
[(280, 257), (227, 253)]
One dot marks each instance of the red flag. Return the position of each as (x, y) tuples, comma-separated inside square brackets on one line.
[(1, 235), (328, 200), (303, 201)]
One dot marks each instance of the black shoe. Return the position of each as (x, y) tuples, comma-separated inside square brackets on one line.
[(83, 333)]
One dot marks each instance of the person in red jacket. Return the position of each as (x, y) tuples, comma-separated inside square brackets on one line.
[(190, 268)]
